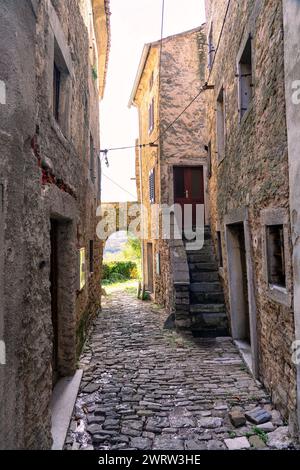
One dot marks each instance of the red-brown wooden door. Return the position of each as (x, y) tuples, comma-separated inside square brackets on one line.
[(189, 188)]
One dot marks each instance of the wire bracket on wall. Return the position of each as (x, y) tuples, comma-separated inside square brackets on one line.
[(140, 146), (105, 152)]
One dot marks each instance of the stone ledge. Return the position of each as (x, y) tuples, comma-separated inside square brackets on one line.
[(62, 404)]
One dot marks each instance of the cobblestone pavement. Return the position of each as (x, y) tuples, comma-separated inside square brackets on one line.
[(149, 388)]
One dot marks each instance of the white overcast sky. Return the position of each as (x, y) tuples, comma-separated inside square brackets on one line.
[(133, 24)]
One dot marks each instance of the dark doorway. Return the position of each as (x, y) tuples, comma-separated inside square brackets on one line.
[(54, 297), (150, 266), (189, 188), (238, 268)]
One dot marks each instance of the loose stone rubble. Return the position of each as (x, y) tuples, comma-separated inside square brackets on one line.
[(148, 388)]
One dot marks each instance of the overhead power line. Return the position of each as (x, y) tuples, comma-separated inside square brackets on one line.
[(118, 185), (205, 86)]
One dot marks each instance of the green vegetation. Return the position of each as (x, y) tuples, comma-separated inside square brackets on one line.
[(94, 73), (132, 249), (146, 296), (119, 271), (260, 433), (125, 265), (122, 270)]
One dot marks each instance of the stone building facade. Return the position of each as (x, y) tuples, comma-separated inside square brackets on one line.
[(52, 72), (159, 92), (249, 190), (291, 24)]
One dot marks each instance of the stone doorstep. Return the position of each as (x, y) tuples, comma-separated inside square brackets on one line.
[(62, 404)]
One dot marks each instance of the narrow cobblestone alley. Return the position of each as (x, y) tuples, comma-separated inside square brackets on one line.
[(149, 388)]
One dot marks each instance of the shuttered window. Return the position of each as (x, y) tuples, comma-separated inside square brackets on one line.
[(99, 178), (245, 79), (151, 116), (209, 162), (91, 255), (92, 160), (152, 186), (276, 255), (221, 125), (151, 80), (56, 91), (211, 49)]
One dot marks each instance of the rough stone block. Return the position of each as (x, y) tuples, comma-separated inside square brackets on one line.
[(238, 443), (279, 439), (266, 427), (237, 418), (257, 442), (258, 416), (210, 423)]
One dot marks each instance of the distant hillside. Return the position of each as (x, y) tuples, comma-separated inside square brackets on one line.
[(115, 244)]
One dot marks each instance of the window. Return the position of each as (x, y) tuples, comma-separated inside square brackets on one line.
[(209, 160), (221, 125), (152, 186), (151, 80), (245, 78), (276, 260), (158, 270), (91, 256), (61, 90), (220, 252), (56, 91), (151, 116), (276, 255), (92, 160), (99, 178), (82, 276), (211, 49)]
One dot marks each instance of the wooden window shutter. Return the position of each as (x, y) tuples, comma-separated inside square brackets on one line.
[(152, 186), (151, 116)]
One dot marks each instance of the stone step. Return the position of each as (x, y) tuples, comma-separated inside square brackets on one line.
[(210, 320), (206, 277), (206, 247), (205, 251), (207, 298), (213, 286), (207, 242), (207, 229), (202, 258), (200, 332), (207, 308), (204, 267)]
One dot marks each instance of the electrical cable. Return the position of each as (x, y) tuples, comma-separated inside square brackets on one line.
[(118, 185), (203, 88)]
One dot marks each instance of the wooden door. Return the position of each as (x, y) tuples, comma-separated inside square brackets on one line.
[(189, 188), (54, 298)]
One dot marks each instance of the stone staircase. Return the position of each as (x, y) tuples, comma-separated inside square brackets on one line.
[(207, 304)]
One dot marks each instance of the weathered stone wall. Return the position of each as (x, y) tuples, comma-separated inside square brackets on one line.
[(291, 19), (17, 125), (147, 157), (182, 74), (254, 172), (44, 174)]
